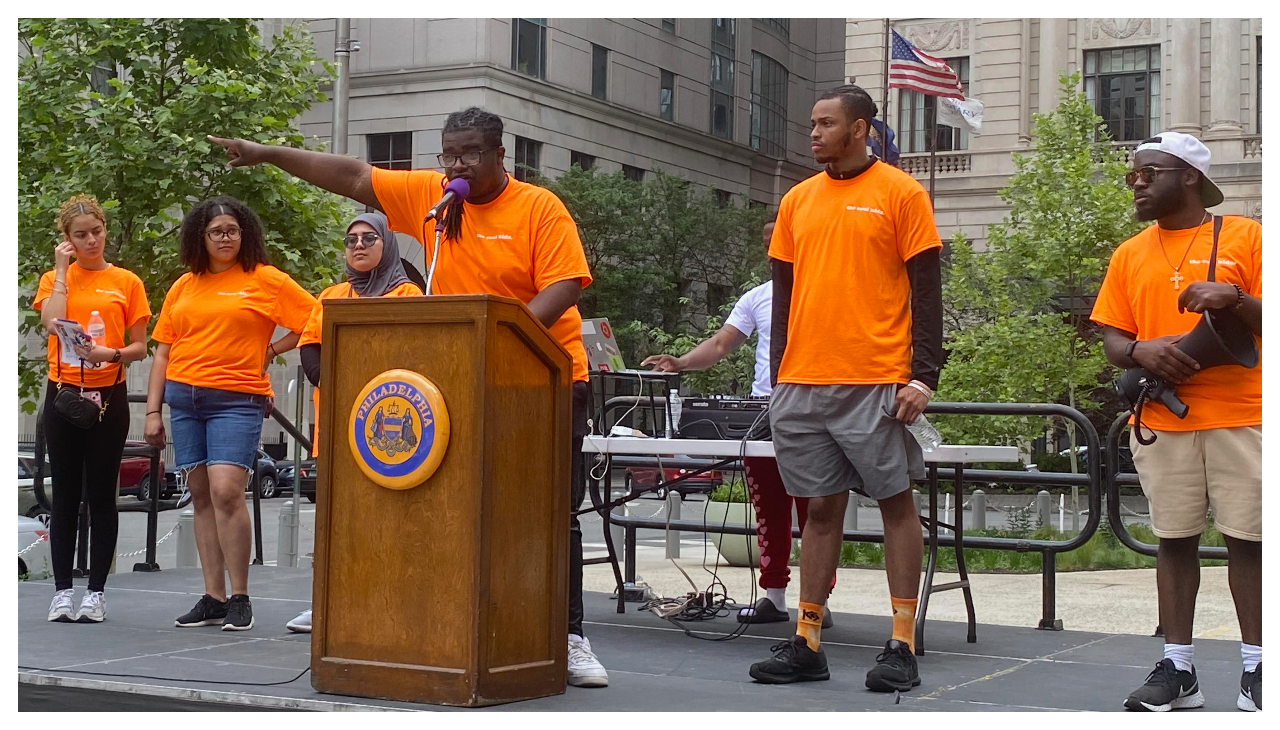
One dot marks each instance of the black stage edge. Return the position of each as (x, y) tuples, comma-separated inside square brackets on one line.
[(652, 665)]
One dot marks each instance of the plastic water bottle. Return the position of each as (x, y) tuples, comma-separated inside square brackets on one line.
[(925, 434), (673, 425), (97, 331)]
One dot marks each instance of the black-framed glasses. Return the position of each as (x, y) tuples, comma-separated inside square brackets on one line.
[(470, 159), (223, 234), (368, 239), (1147, 173)]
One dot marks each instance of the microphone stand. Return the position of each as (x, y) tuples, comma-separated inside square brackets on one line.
[(435, 257)]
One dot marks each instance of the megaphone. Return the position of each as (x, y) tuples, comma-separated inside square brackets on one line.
[(1220, 338)]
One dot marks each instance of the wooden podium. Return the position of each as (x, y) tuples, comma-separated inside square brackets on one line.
[(455, 590)]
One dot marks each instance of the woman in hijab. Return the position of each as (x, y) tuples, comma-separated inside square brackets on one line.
[(374, 269)]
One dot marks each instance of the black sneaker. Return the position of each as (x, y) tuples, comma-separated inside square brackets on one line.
[(1167, 688), (208, 611), (793, 661), (1250, 699), (895, 669), (239, 614)]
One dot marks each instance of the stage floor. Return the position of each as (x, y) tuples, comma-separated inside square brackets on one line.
[(652, 666)]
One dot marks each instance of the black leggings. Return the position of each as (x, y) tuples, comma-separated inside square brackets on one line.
[(85, 459)]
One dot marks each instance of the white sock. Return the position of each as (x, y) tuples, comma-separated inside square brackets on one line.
[(778, 597), (1181, 654), (1251, 655)]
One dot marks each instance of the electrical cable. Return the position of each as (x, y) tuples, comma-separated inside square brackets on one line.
[(168, 679)]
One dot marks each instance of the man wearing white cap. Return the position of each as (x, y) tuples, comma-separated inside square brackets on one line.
[(1155, 291)]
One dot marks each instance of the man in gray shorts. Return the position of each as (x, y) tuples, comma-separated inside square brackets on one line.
[(856, 354)]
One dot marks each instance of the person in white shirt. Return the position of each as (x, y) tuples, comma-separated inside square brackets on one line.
[(754, 313)]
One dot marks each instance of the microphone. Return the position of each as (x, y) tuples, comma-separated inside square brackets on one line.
[(456, 190)]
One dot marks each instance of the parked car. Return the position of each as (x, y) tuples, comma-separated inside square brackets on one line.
[(267, 477), (649, 477), (307, 480), (135, 474), (27, 504), (33, 537)]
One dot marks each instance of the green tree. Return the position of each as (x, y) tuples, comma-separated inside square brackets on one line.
[(1018, 314), (647, 243), (119, 109)]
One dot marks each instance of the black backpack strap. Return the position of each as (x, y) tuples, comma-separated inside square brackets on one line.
[(1213, 256)]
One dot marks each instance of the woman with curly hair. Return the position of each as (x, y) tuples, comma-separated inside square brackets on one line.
[(214, 334), (80, 457)]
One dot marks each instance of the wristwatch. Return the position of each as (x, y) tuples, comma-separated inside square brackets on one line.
[(116, 357)]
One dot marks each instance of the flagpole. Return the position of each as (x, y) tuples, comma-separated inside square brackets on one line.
[(933, 148), (884, 109)]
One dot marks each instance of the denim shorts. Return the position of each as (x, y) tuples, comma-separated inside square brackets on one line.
[(213, 426)]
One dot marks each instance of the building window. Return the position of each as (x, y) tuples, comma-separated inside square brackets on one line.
[(634, 174), (529, 46), (599, 71), (527, 154), (103, 72), (782, 26), (583, 160), (717, 296), (669, 25), (667, 96), (915, 114), (391, 151), (1123, 84), (723, 198), (723, 50), (768, 106)]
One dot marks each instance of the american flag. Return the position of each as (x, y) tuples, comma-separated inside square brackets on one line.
[(912, 68)]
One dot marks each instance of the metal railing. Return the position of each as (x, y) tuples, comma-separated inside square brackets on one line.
[(1048, 549), (1114, 481)]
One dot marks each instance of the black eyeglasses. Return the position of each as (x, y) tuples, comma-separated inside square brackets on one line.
[(1147, 173), (229, 234), (470, 159), (368, 239)]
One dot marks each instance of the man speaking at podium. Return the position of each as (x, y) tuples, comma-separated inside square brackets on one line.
[(509, 238)]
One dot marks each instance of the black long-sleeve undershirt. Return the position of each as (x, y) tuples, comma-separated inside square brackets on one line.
[(924, 271), (310, 355)]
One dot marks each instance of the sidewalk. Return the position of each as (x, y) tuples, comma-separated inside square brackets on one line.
[(1111, 601)]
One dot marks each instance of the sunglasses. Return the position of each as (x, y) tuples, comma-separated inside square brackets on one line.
[(368, 239), (1147, 174)]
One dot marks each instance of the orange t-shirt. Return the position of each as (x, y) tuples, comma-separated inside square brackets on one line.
[(514, 246), (118, 297), (218, 326), (311, 334), (849, 241), (1138, 297)]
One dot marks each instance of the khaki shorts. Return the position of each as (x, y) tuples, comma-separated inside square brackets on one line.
[(1184, 473)]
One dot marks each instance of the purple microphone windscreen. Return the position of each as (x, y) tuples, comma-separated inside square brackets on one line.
[(459, 188)]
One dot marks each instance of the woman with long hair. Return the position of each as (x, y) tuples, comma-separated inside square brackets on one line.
[(214, 334), (374, 269), (107, 305)]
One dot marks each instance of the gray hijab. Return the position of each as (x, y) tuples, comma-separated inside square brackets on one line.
[(389, 273)]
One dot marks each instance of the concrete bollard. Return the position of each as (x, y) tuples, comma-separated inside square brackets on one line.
[(1044, 507), (285, 557), (673, 510), (616, 533), (915, 497), (188, 556), (978, 501), (851, 513)]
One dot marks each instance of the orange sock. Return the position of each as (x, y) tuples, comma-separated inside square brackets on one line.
[(809, 624), (904, 620)]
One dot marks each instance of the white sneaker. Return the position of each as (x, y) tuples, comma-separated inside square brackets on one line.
[(301, 624), (584, 669), (93, 608), (60, 609)]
